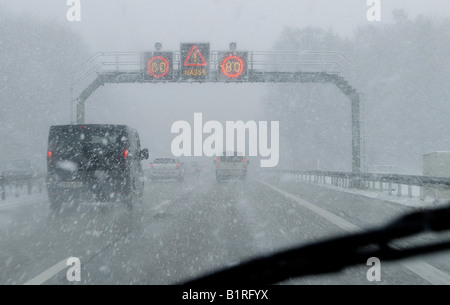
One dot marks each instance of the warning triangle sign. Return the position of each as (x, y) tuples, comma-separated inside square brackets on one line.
[(195, 58)]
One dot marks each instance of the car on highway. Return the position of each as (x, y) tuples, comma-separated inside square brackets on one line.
[(231, 165), (167, 168), (94, 163)]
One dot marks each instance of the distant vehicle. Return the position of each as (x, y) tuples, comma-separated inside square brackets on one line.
[(192, 168), (231, 165), (164, 168), (94, 163)]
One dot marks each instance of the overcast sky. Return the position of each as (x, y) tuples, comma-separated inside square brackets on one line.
[(134, 25)]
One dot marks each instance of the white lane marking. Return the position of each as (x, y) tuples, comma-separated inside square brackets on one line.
[(426, 271), (48, 274), (164, 203), (343, 224), (11, 206)]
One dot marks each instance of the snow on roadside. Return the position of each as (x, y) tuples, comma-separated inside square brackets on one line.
[(376, 194)]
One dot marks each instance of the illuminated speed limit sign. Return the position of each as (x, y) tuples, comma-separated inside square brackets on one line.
[(158, 65), (233, 66)]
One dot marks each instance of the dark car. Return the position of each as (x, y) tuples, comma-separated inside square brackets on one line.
[(94, 163)]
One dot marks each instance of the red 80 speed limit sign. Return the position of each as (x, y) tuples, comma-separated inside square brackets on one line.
[(158, 66), (233, 66)]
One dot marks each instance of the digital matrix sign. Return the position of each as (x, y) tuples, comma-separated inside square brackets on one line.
[(194, 60), (233, 65), (158, 65)]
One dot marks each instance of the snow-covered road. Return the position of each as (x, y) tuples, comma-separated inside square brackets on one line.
[(183, 230)]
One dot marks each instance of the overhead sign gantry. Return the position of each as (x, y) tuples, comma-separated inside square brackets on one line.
[(195, 62)]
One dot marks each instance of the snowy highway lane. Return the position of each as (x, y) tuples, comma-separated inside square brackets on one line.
[(183, 230)]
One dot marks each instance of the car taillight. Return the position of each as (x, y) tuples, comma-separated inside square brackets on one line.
[(245, 160), (50, 154), (218, 159), (151, 165), (126, 153), (178, 166)]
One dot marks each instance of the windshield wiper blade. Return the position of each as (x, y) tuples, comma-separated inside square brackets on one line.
[(345, 251)]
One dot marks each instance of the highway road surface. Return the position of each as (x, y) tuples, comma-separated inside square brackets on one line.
[(185, 229)]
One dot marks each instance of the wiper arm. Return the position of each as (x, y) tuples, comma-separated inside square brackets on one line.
[(346, 251)]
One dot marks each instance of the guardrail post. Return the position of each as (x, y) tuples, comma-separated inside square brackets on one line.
[(410, 191), (390, 188), (381, 186), (399, 190), (422, 194), (373, 184)]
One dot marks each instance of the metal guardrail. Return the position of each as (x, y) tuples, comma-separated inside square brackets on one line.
[(381, 182), (18, 182)]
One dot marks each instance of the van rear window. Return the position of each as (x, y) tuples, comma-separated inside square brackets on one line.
[(76, 140)]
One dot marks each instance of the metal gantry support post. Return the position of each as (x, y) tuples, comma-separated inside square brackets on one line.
[(80, 111), (356, 134)]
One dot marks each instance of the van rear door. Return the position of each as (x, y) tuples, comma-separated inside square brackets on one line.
[(75, 148)]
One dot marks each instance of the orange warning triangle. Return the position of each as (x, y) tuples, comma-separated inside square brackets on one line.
[(195, 58)]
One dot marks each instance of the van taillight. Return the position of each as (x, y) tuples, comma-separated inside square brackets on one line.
[(126, 153)]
